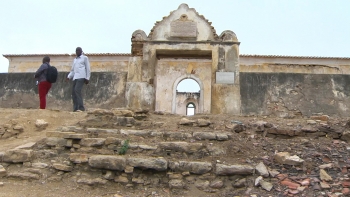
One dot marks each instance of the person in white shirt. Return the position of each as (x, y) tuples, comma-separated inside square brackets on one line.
[(80, 74)]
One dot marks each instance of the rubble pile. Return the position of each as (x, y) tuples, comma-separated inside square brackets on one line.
[(205, 154)]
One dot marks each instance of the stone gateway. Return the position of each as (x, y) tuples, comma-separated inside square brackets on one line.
[(184, 45)]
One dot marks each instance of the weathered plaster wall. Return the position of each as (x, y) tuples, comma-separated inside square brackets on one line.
[(293, 94), (167, 73), (226, 99), (183, 98), (105, 90), (99, 63), (139, 95)]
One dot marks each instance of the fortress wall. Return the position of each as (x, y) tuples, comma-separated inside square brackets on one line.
[(105, 90), (295, 94), (99, 63), (311, 65)]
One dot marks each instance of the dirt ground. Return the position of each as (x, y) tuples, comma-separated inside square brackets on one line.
[(247, 147)]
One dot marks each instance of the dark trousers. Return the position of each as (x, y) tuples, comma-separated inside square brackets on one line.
[(76, 94), (44, 88)]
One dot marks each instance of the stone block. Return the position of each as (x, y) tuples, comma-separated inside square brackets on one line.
[(55, 141), (181, 146), (26, 146), (135, 132), (79, 158), (41, 124), (176, 184), (158, 164), (121, 179), (75, 136), (92, 142), (192, 167), (57, 134), (204, 136), (17, 156), (221, 137), (2, 171), (234, 169), (108, 162), (62, 167), (112, 140)]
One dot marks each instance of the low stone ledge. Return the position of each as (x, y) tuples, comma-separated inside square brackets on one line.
[(233, 169), (108, 162), (159, 164)]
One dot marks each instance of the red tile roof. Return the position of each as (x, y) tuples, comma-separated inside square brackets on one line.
[(66, 54), (286, 56), (128, 54)]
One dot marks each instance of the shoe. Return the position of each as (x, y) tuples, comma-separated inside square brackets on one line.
[(78, 111)]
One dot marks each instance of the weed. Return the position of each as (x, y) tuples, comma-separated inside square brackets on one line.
[(124, 147)]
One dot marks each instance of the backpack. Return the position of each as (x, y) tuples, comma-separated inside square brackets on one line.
[(51, 74)]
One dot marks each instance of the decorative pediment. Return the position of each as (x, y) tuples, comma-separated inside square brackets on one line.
[(183, 24), (183, 28)]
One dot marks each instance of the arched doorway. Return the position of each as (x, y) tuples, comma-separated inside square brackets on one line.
[(188, 98), (190, 109)]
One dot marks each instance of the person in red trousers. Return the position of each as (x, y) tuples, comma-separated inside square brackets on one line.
[(43, 85)]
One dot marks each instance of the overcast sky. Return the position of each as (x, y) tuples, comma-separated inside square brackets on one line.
[(264, 27)]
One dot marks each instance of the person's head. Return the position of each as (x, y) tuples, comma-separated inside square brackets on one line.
[(46, 59), (78, 51)]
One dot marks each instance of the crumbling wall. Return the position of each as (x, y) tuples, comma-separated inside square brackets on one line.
[(294, 94), (105, 90)]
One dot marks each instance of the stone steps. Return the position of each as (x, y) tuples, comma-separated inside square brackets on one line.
[(173, 149), (196, 145), (167, 135)]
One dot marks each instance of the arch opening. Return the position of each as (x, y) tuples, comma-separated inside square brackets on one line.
[(193, 92), (188, 85), (190, 109)]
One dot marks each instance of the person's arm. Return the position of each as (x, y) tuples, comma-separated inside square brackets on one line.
[(87, 68), (71, 73), (40, 70)]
